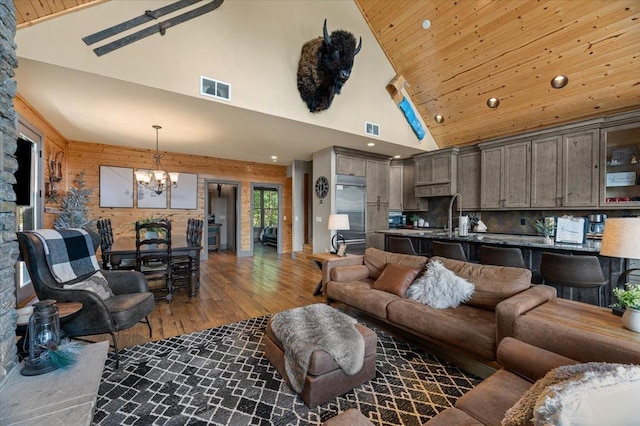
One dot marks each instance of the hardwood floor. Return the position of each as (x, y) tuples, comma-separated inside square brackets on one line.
[(232, 289)]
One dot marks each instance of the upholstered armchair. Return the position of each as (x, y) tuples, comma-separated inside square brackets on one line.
[(131, 301)]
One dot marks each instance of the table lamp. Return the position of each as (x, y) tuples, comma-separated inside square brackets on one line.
[(338, 222), (621, 238)]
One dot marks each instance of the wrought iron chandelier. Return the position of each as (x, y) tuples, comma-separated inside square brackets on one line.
[(158, 179)]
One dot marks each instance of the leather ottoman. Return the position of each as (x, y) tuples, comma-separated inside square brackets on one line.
[(325, 380)]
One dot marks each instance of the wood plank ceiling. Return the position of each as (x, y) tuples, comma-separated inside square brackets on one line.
[(477, 49), (29, 12)]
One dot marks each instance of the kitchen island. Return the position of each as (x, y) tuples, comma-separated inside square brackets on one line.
[(532, 247)]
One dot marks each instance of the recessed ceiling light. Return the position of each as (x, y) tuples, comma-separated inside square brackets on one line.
[(426, 24), (274, 157), (396, 156), (439, 118), (371, 144), (559, 81), (493, 102)]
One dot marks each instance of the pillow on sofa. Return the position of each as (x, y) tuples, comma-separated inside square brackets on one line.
[(593, 393), (440, 288), (493, 283), (376, 260), (96, 283), (396, 278)]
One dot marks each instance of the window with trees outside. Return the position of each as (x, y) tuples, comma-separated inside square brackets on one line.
[(265, 207)]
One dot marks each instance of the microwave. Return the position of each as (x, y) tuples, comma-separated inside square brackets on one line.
[(397, 220)]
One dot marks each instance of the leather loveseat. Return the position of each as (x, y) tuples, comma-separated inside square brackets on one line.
[(488, 402), (474, 328)]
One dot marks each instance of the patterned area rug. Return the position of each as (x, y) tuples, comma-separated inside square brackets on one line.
[(221, 377)]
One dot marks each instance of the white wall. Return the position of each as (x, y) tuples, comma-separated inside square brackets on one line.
[(323, 165), (253, 45)]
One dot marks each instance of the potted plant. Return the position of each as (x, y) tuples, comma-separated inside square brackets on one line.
[(414, 219), (545, 228), (152, 233), (629, 299)]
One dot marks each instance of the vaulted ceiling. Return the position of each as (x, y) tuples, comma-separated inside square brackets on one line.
[(477, 49), (511, 50)]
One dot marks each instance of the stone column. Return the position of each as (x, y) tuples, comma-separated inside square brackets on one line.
[(8, 165)]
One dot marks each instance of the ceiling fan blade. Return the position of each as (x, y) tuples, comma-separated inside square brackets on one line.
[(149, 15), (160, 27)]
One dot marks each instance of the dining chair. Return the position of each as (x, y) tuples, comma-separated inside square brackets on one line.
[(153, 256), (186, 268), (130, 304), (111, 262)]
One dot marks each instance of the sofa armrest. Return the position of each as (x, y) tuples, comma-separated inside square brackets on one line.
[(508, 311), (126, 282), (329, 264), (347, 274), (528, 361)]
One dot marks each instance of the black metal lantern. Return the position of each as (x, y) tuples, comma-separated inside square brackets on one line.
[(44, 337)]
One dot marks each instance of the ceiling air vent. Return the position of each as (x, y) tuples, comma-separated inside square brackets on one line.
[(214, 88), (371, 129)]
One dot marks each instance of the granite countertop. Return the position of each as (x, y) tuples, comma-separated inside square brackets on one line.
[(533, 241)]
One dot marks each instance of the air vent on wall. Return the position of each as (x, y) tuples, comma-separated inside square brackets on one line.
[(371, 129), (214, 88)]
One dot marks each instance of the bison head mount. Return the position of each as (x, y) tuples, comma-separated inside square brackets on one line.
[(325, 65)]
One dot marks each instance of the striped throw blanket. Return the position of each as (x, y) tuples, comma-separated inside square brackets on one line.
[(69, 252)]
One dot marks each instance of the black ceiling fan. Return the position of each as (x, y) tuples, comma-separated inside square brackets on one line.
[(149, 15)]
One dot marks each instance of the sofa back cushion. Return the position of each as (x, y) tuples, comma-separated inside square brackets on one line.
[(376, 260), (493, 283)]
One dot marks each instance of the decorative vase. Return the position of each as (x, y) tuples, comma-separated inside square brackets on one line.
[(631, 319), (420, 223), (415, 223), (548, 240)]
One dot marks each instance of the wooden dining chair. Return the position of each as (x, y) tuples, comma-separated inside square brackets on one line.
[(111, 262), (153, 256), (186, 268)]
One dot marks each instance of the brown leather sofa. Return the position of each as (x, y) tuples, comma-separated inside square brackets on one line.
[(474, 328), (488, 402)]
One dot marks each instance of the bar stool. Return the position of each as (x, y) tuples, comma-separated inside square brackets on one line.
[(502, 256), (401, 245), (574, 272), (448, 250)]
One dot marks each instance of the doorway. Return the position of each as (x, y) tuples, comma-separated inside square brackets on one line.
[(29, 201), (266, 216), (223, 216)]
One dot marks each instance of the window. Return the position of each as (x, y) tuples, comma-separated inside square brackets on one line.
[(265, 207)]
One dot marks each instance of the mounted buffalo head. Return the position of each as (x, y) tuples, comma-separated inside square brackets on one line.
[(325, 65)]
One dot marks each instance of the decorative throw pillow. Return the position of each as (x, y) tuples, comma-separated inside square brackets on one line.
[(396, 278), (440, 288), (96, 283), (593, 393)]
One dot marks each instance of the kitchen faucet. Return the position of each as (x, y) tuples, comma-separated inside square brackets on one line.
[(450, 229)]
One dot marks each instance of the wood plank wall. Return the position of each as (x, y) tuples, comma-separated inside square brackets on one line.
[(89, 157)]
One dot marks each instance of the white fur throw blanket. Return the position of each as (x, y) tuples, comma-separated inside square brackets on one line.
[(543, 403), (317, 327)]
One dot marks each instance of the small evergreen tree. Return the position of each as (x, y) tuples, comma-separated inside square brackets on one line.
[(73, 209)]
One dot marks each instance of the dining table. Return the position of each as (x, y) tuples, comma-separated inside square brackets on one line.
[(125, 246)]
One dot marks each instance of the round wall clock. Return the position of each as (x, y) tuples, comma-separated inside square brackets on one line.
[(322, 187)]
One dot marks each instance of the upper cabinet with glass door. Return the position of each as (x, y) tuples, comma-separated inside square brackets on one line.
[(620, 153)]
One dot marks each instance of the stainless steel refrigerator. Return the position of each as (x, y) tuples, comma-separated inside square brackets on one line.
[(351, 198)]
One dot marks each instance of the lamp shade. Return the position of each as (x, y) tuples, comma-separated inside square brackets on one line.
[(621, 238), (338, 221)]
